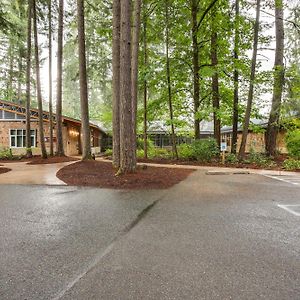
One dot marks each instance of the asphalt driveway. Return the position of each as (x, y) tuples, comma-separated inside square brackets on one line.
[(210, 237)]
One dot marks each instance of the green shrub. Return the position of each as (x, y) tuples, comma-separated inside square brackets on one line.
[(231, 158), (291, 164), (6, 153), (161, 153), (259, 159), (108, 152), (186, 151), (293, 143), (205, 150), (140, 153), (140, 144)]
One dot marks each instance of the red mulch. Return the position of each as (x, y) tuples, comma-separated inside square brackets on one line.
[(37, 160), (4, 170), (102, 174)]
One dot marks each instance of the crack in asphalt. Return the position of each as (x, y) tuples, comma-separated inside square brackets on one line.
[(99, 256)]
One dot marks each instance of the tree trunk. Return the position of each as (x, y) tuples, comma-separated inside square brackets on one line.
[(59, 133), (38, 83), (196, 83), (116, 83), (50, 76), (145, 84), (251, 87), (134, 66), (215, 83), (28, 77), (273, 124), (167, 41), (11, 71), (235, 117), (20, 69), (127, 150), (85, 124)]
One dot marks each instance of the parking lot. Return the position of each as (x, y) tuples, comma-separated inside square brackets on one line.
[(210, 237)]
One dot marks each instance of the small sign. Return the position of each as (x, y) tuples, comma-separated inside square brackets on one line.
[(223, 146)]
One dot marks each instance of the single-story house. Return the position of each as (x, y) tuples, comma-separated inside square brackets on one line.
[(13, 131), (255, 138)]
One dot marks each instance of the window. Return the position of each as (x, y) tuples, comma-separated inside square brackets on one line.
[(18, 138)]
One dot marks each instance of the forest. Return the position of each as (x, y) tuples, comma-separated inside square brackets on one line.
[(178, 63)]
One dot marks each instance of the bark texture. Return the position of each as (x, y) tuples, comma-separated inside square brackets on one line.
[(116, 82), (59, 133), (38, 83), (215, 82), (28, 77), (145, 83), (251, 87), (85, 124), (167, 41), (273, 124), (127, 150), (235, 117), (134, 66), (50, 76), (196, 82)]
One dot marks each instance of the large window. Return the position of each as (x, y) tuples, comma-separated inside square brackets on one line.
[(18, 138)]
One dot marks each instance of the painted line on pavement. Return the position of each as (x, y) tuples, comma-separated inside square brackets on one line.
[(281, 179), (290, 210)]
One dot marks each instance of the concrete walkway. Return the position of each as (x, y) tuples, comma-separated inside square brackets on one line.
[(22, 173), (216, 169)]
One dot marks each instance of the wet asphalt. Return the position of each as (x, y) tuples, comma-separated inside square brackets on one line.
[(210, 237)]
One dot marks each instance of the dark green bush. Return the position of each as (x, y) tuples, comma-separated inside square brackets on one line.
[(293, 143), (202, 150), (205, 150)]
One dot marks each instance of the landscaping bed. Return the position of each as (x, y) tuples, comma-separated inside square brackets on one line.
[(102, 174), (4, 170), (276, 164), (37, 160)]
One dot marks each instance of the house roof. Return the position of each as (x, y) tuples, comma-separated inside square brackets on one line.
[(21, 110)]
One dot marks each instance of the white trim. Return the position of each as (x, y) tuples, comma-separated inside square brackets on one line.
[(23, 135)]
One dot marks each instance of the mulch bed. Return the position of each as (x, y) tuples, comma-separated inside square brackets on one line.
[(50, 160), (38, 160), (102, 174), (277, 166), (4, 170)]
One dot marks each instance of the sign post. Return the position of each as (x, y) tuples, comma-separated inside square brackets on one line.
[(223, 150)]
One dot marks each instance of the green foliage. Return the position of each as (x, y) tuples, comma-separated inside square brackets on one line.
[(202, 150), (259, 159), (231, 158), (293, 143), (291, 164), (6, 153), (185, 151), (140, 144), (160, 153), (206, 149), (108, 152)]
